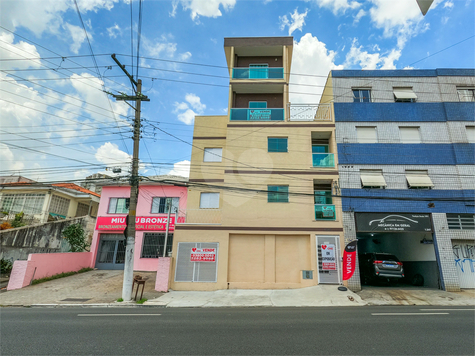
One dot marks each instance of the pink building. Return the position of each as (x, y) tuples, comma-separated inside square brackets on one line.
[(108, 244)]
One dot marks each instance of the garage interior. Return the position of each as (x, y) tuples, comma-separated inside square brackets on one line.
[(414, 249)]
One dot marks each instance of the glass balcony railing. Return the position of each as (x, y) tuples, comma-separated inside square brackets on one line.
[(257, 115), (323, 160), (325, 212), (258, 73)]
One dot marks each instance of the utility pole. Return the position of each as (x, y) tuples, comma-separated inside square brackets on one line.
[(134, 182), (168, 228)]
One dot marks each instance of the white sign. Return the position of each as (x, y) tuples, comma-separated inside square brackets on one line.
[(328, 257), (203, 255)]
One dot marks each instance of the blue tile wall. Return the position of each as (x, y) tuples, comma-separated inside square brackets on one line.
[(402, 73), (404, 112), (406, 154), (363, 200)]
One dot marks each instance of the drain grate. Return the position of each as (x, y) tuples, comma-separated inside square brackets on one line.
[(76, 299)]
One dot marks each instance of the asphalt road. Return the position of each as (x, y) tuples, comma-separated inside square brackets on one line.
[(246, 331)]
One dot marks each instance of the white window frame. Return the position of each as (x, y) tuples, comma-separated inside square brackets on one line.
[(418, 179), (466, 94), (372, 178), (364, 137), (213, 154), (404, 94), (410, 134), (209, 200)]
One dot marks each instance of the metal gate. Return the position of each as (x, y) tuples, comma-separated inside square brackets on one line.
[(111, 252), (328, 260)]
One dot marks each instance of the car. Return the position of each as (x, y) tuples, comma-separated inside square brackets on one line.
[(378, 266)]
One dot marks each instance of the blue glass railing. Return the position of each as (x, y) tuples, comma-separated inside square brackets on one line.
[(323, 159), (258, 73), (257, 115), (325, 212)]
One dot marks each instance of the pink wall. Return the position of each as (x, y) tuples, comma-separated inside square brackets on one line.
[(144, 206), (163, 274), (40, 265)]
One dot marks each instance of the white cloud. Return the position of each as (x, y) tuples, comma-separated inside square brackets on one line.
[(310, 57), (185, 113), (77, 35), (181, 168), (110, 155), (184, 56), (359, 15), (296, 23), (366, 60), (444, 20), (159, 48), (14, 51), (9, 163), (338, 5), (114, 31), (448, 4), (94, 5), (207, 8)]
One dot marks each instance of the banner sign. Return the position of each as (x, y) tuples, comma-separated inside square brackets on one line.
[(349, 260), (203, 255), (259, 114), (142, 223), (328, 257), (381, 222)]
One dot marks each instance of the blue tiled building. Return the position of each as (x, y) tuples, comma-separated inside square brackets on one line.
[(406, 157)]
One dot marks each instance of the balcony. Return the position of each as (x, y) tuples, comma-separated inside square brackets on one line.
[(325, 212), (310, 112), (201, 216), (323, 160), (257, 115), (258, 73)]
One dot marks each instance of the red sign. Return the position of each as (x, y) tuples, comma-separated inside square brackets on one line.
[(203, 255), (142, 223), (349, 260)]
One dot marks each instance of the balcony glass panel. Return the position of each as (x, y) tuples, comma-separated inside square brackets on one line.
[(258, 73), (323, 159), (324, 212), (257, 115)]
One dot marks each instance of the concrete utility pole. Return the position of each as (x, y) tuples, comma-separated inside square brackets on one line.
[(167, 229), (134, 183)]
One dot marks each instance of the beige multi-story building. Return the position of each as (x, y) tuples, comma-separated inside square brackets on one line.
[(261, 210)]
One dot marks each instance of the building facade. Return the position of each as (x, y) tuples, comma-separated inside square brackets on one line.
[(262, 211), (154, 202), (406, 155)]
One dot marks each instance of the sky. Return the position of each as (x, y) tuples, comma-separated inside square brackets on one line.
[(59, 121)]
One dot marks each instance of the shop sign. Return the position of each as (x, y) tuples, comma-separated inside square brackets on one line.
[(328, 258), (349, 260), (328, 211), (142, 223), (392, 222), (259, 114), (203, 255)]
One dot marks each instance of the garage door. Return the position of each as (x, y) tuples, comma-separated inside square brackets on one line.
[(464, 257)]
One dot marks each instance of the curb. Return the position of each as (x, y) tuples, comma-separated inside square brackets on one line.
[(97, 305)]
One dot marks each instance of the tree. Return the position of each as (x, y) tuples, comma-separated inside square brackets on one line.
[(76, 237)]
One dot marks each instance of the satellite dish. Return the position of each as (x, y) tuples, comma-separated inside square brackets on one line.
[(424, 5)]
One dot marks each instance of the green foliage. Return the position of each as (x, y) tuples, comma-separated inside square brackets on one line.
[(76, 237), (141, 301), (120, 300), (60, 275), (6, 265), (18, 221)]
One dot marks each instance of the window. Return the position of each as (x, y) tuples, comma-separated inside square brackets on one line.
[(29, 203), (470, 133), (209, 201), (258, 71), (277, 193), (187, 271), (153, 244), (82, 210), (418, 180), (119, 205), (361, 95), (461, 221), (59, 206), (372, 178), (258, 105), (366, 134), (466, 94), (160, 205), (404, 95), (410, 134), (213, 155), (277, 144)]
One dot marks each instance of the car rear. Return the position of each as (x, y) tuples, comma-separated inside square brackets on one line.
[(388, 266)]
